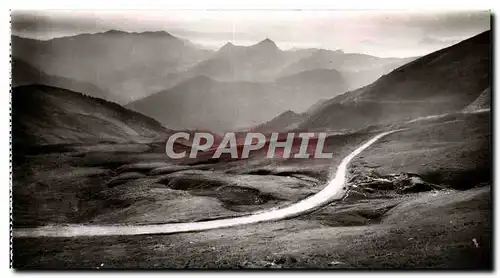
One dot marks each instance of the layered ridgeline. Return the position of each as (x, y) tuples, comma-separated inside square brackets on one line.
[(447, 80), (357, 69), (124, 67), (44, 115), (444, 81), (244, 86), (127, 65), (265, 62), (204, 103)]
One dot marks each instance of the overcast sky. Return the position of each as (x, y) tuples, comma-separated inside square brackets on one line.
[(385, 34)]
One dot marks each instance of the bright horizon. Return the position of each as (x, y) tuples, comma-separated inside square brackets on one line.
[(383, 34)]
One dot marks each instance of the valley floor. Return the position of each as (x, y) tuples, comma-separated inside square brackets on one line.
[(387, 220)]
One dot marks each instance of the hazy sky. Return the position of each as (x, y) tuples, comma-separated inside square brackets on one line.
[(385, 34)]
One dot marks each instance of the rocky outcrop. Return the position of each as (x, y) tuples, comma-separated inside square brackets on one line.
[(399, 183)]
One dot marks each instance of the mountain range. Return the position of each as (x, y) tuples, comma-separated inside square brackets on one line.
[(205, 103), (216, 94), (125, 67), (444, 81)]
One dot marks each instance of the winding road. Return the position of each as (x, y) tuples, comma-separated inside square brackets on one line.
[(333, 191)]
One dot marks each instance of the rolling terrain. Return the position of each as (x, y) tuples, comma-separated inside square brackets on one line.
[(418, 198)]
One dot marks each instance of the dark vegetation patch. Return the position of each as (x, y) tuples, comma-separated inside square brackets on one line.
[(459, 179)]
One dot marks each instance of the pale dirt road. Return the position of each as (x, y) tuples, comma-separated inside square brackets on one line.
[(333, 191)]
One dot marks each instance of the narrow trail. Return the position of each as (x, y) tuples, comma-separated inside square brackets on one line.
[(333, 191)]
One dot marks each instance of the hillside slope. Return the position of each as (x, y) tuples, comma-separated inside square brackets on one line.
[(43, 115), (444, 81)]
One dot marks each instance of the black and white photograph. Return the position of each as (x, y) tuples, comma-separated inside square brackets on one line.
[(251, 139)]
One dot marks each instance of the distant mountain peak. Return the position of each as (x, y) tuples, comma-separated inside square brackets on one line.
[(266, 43), (227, 46), (115, 32), (157, 33), (289, 112)]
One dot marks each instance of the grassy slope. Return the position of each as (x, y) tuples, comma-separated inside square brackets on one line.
[(63, 116), (454, 150)]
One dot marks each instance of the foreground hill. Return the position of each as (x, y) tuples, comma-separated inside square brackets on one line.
[(129, 65), (43, 115), (444, 81)]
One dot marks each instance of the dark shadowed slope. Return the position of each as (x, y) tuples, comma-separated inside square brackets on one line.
[(25, 74), (43, 115), (129, 65), (443, 81)]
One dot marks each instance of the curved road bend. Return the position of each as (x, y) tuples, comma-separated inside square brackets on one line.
[(333, 191)]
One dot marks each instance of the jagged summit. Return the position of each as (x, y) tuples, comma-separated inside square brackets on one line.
[(267, 42), (289, 113)]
